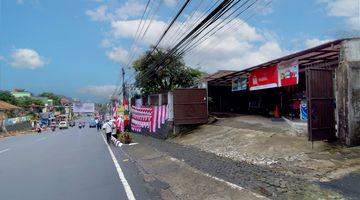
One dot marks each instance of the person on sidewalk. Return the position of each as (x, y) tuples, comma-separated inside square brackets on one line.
[(108, 127)]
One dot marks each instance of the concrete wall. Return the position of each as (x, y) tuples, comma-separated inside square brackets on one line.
[(22, 126), (166, 131), (348, 92)]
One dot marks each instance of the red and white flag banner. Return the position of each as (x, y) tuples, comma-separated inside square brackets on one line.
[(148, 117)]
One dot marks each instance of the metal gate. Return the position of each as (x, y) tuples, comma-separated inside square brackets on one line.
[(190, 106), (320, 99)]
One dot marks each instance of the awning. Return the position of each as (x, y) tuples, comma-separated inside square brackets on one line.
[(325, 53)]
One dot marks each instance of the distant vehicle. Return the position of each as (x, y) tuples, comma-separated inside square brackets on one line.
[(71, 123), (63, 125), (92, 124), (81, 124)]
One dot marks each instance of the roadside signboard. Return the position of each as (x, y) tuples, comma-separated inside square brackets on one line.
[(288, 73), (263, 78), (239, 83), (84, 107)]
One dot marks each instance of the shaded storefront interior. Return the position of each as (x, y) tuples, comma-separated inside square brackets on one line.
[(300, 87)]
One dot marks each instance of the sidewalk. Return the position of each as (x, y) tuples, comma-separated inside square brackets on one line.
[(174, 179), (190, 171), (268, 148)]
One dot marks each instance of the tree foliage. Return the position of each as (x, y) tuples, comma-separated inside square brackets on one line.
[(28, 101), (21, 102), (8, 97), (173, 72), (56, 98)]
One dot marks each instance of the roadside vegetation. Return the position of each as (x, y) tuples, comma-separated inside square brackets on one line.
[(154, 74)]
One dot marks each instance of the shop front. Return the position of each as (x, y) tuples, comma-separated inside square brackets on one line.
[(298, 88)]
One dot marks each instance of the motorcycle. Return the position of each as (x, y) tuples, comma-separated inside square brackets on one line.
[(53, 127)]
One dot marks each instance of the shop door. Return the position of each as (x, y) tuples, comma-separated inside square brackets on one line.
[(320, 99)]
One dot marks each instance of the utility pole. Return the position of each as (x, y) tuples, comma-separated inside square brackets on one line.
[(123, 84)]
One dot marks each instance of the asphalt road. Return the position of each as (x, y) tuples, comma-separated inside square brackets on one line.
[(66, 164)]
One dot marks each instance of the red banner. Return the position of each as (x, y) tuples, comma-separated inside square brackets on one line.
[(288, 73), (263, 78)]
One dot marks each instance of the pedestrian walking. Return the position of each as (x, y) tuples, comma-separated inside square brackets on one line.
[(108, 127), (98, 124)]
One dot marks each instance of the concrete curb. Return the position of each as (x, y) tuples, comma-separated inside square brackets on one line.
[(116, 141), (119, 144)]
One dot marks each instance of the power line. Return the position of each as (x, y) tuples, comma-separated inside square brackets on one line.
[(207, 22), (202, 38), (170, 25), (218, 16), (144, 33), (134, 41), (180, 26), (232, 26), (209, 19)]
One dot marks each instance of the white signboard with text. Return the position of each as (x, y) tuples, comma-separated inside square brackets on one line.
[(83, 107)]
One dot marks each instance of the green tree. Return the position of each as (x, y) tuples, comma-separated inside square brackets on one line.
[(170, 73), (54, 97), (8, 97), (26, 102)]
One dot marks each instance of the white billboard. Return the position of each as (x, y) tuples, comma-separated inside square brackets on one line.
[(83, 107)]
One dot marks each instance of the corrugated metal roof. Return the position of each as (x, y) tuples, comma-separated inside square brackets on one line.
[(218, 74), (323, 53)]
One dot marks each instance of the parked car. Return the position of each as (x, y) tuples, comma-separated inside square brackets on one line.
[(63, 125), (71, 123), (92, 124)]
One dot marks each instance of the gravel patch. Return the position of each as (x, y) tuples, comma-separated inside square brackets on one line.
[(259, 179)]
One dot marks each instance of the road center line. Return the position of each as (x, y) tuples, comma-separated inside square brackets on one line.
[(126, 185), (5, 150)]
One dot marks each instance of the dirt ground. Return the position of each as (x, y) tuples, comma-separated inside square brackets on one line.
[(262, 142)]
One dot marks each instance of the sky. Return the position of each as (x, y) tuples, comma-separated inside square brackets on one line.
[(77, 47)]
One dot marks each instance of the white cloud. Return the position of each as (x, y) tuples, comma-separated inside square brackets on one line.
[(127, 10), (238, 48), (170, 3), (347, 9), (27, 59), (127, 29), (99, 14), (118, 55), (99, 91), (235, 49), (315, 42), (106, 43), (130, 9), (32, 2)]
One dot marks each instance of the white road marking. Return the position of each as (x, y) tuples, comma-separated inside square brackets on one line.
[(232, 185), (133, 144), (43, 138), (129, 193), (5, 150)]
